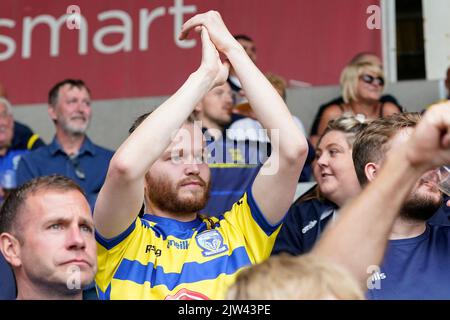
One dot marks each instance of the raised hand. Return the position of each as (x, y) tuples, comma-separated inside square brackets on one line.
[(429, 146), (211, 62), (218, 32)]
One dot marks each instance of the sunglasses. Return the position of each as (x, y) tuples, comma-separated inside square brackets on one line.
[(79, 172), (370, 80)]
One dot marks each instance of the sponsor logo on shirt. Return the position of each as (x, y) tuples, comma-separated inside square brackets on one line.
[(15, 161), (182, 244), (150, 248), (309, 226), (211, 242)]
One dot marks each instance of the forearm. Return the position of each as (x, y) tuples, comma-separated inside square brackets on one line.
[(268, 105), (146, 144), (359, 237), (123, 190)]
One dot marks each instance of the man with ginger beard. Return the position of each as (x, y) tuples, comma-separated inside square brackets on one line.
[(173, 252), (416, 264), (71, 153)]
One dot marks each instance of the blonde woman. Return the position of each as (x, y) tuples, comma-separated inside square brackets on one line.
[(336, 184), (362, 88)]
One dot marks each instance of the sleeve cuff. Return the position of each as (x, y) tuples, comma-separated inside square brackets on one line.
[(111, 243), (258, 216)]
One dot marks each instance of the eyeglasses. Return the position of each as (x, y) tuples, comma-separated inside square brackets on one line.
[(5, 115), (76, 165), (370, 79)]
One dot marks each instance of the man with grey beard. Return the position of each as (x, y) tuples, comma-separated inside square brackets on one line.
[(416, 264), (71, 153)]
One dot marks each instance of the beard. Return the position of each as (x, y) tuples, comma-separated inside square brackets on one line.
[(72, 128), (420, 207), (166, 196)]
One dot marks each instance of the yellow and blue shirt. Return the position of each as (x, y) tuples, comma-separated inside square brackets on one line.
[(162, 258)]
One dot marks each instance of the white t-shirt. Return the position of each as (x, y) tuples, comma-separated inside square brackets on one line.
[(249, 129)]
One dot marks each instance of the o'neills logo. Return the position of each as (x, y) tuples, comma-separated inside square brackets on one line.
[(185, 294)]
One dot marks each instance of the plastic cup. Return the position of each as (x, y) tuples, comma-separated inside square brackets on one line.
[(444, 179)]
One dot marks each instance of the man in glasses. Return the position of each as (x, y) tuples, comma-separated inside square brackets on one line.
[(23, 138), (71, 153), (9, 155)]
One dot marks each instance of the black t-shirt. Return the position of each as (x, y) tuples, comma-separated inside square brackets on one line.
[(339, 101)]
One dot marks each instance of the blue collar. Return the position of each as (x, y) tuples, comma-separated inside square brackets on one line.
[(86, 147), (183, 225)]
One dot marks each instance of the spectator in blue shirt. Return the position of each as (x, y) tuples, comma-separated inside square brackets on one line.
[(71, 153), (9, 156), (23, 137), (233, 164), (416, 264)]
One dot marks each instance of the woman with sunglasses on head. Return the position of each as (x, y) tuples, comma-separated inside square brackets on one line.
[(362, 87), (336, 184)]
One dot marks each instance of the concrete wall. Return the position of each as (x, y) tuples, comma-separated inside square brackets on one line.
[(437, 37), (111, 119)]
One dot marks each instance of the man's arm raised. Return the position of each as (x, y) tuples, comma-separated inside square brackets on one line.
[(274, 189), (359, 237), (122, 194)]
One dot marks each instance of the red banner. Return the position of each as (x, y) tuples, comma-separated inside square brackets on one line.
[(130, 48)]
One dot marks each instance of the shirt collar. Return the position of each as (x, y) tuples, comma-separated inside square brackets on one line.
[(86, 147), (169, 221)]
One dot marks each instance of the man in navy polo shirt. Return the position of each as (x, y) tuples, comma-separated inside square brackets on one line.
[(71, 152), (416, 264)]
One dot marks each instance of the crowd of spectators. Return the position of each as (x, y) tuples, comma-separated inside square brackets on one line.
[(199, 202)]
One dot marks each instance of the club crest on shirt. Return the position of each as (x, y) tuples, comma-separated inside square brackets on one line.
[(211, 242), (185, 294)]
